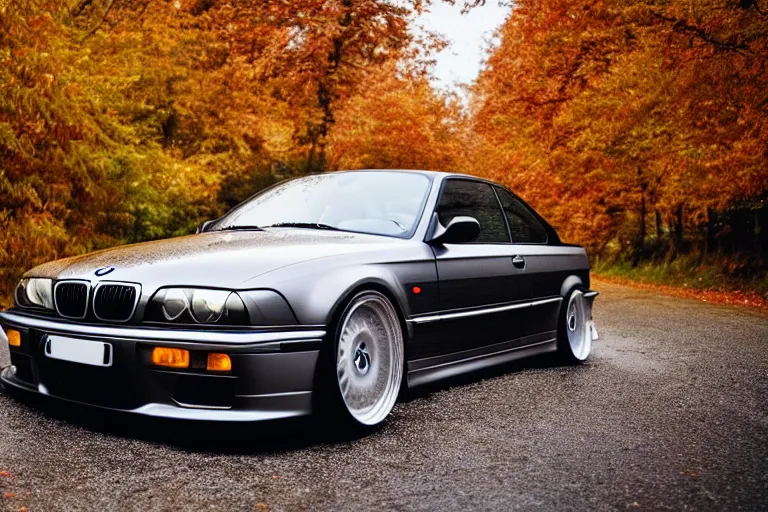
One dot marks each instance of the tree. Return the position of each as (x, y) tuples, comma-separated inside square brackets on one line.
[(397, 122), (627, 109), (320, 51)]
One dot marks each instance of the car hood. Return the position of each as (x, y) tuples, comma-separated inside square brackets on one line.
[(217, 259)]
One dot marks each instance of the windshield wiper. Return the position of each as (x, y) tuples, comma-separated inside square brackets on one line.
[(308, 225), (240, 228)]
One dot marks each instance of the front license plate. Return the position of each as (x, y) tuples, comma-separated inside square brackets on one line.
[(94, 353)]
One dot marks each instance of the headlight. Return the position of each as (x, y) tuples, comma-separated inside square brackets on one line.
[(175, 304), (197, 305), (208, 305), (35, 292)]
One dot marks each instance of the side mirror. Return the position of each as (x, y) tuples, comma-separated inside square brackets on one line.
[(202, 227), (460, 230)]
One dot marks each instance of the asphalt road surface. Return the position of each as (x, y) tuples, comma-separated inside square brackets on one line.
[(671, 413)]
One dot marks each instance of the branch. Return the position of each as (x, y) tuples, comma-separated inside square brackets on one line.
[(77, 11), (684, 26), (746, 4), (143, 9), (103, 19), (540, 103)]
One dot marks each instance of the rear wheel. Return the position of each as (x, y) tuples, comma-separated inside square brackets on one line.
[(367, 361), (575, 334)]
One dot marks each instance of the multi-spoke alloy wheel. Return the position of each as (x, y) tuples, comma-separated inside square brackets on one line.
[(577, 326), (369, 358)]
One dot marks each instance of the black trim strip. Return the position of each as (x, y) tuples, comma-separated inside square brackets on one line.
[(452, 369), (499, 308)]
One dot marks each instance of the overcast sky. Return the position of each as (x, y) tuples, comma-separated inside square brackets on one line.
[(468, 36)]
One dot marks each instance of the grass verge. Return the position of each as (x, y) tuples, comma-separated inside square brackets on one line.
[(717, 281)]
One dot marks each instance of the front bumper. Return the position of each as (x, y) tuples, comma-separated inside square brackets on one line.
[(272, 370)]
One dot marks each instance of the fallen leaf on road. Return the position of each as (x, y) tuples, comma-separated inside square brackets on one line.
[(6, 474), (749, 298), (9, 495)]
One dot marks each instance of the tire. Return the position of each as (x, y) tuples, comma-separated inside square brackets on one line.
[(361, 369), (574, 337)]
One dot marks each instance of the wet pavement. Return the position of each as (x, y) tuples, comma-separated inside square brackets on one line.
[(671, 413)]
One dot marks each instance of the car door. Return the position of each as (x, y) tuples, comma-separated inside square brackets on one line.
[(482, 293), (546, 265)]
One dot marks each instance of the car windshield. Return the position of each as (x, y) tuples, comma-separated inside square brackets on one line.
[(381, 203)]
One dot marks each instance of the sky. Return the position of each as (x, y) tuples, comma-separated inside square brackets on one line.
[(468, 36)]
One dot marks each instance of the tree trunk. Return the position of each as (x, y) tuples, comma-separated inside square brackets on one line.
[(756, 227), (327, 95), (762, 244), (738, 222), (640, 240), (708, 233), (677, 240), (322, 163), (641, 237), (318, 132), (658, 226), (311, 156)]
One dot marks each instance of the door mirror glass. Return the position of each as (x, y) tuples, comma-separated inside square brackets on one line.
[(460, 230)]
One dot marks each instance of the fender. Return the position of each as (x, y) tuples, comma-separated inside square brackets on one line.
[(316, 289), (343, 284), (570, 283)]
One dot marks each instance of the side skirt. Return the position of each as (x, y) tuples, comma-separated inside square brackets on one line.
[(432, 369)]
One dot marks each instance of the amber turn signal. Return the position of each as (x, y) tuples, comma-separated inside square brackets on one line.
[(219, 363), (14, 338), (170, 357)]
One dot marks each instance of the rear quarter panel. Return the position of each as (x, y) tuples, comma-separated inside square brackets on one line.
[(550, 266)]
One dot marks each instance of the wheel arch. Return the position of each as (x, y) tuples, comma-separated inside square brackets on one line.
[(363, 285), (316, 299), (571, 282)]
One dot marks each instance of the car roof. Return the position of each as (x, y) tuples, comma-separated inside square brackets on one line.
[(441, 175), (433, 174)]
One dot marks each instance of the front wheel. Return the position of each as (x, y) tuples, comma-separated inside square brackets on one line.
[(368, 360), (575, 330)]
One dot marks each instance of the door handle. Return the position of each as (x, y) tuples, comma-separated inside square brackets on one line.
[(518, 262)]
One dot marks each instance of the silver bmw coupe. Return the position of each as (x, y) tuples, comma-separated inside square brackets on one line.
[(326, 294)]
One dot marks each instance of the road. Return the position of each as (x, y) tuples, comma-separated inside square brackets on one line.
[(671, 413)]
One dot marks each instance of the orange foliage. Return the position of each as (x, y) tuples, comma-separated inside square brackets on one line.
[(132, 120), (397, 122), (601, 113)]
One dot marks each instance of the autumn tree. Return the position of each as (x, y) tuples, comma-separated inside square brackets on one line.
[(398, 121), (605, 114), (128, 120), (116, 124), (322, 50)]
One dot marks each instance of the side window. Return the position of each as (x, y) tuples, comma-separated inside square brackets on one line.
[(523, 226), (474, 199)]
